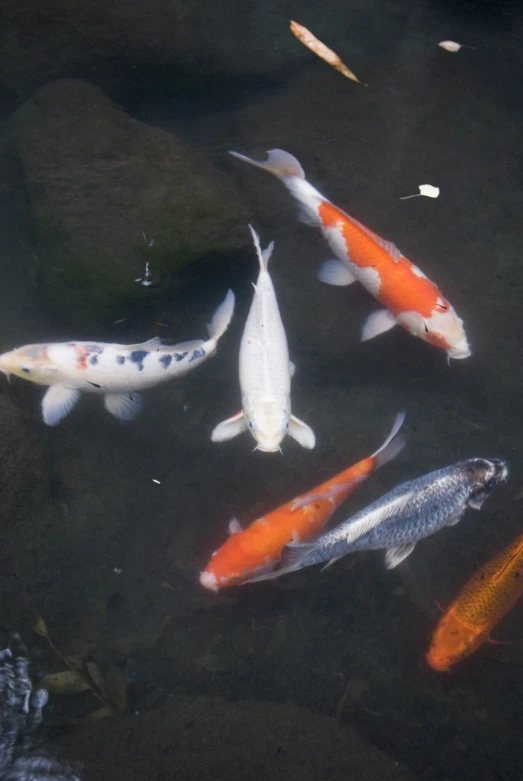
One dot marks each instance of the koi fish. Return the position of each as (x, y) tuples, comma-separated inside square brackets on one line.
[(409, 513), (257, 549), (265, 372), (115, 371), (481, 604), (409, 297)]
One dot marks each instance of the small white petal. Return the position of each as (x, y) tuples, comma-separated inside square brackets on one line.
[(424, 189), (429, 190), (450, 46)]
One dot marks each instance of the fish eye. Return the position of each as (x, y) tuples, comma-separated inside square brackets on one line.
[(286, 425), (26, 369), (251, 424)]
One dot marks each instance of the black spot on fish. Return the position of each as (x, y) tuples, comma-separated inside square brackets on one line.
[(93, 360), (137, 357), (94, 384), (197, 354), (165, 360), (95, 348), (179, 356), (120, 359)]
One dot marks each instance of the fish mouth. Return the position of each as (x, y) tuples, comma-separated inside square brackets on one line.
[(441, 665), (459, 353), (208, 580), (268, 448)]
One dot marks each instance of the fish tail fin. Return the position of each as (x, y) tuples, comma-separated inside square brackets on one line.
[(263, 255), (222, 317), (280, 163), (392, 445)]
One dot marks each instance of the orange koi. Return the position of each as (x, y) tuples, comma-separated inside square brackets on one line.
[(257, 549), (480, 605), (409, 298)]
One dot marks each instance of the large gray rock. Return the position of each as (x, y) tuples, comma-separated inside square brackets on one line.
[(97, 181), (208, 738)]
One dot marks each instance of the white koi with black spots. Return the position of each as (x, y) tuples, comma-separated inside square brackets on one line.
[(116, 371), (265, 372)]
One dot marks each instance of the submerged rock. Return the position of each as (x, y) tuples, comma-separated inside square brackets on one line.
[(108, 193), (208, 738)]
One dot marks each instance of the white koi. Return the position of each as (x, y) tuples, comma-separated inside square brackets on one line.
[(265, 372), (115, 371)]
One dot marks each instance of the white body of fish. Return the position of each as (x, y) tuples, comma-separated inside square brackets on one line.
[(265, 372), (115, 371)]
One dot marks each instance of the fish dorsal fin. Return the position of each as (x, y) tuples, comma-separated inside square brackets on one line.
[(388, 246), (151, 344), (263, 255), (367, 521)]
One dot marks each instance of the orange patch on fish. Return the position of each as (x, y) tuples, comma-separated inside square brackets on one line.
[(402, 288)]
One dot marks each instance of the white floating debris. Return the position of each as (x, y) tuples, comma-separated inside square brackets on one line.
[(117, 570), (121, 320), (450, 46), (146, 280), (156, 481), (428, 190)]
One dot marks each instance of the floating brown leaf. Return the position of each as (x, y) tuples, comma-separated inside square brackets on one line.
[(40, 627), (319, 48), (116, 688), (97, 715), (64, 683)]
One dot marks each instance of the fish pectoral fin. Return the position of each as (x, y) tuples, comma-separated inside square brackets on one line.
[(57, 403), (234, 526), (292, 368), (395, 556), (334, 272), (377, 323), (455, 518), (330, 562), (330, 493), (124, 406), (229, 428), (301, 432), (294, 553), (493, 641)]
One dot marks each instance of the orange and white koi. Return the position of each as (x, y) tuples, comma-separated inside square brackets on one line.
[(409, 297), (480, 605), (257, 550), (116, 371)]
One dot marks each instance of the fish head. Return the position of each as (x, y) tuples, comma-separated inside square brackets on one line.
[(483, 475), (31, 362), (268, 422), (452, 641), (443, 329)]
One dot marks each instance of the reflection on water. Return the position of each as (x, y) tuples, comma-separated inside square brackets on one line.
[(106, 527)]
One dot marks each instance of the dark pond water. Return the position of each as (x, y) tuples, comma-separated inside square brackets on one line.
[(107, 526)]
